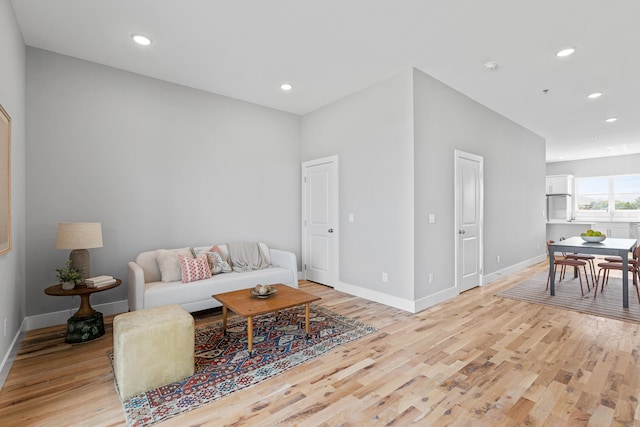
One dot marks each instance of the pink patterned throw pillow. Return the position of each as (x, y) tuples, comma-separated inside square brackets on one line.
[(194, 268)]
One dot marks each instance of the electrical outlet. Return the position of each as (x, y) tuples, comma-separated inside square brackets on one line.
[(498, 259), (5, 327), (430, 277), (385, 277), (351, 219)]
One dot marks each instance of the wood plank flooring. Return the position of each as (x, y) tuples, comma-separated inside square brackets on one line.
[(475, 360)]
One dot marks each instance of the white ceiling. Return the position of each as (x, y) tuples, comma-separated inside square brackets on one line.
[(330, 48)]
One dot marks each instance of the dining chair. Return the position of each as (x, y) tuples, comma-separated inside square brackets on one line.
[(590, 260), (634, 268), (564, 262), (617, 258)]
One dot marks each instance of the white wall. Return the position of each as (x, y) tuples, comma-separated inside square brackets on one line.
[(514, 196), (371, 132), (159, 165), (12, 98)]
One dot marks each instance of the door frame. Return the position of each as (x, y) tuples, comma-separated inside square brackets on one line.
[(335, 190), (457, 155)]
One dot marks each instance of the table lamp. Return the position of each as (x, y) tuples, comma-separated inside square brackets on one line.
[(79, 236)]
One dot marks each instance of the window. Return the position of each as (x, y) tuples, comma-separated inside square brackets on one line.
[(608, 195), (592, 194), (627, 192)]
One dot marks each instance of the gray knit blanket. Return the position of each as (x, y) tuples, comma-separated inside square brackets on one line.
[(247, 256)]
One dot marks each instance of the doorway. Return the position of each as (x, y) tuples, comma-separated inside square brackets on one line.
[(468, 220), (320, 228)]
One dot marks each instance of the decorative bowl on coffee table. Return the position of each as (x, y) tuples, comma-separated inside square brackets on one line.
[(270, 291)]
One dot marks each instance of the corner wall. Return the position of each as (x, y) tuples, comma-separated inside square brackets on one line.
[(371, 131), (514, 180), (396, 143)]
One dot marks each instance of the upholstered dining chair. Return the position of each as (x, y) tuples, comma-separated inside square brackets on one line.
[(634, 268), (564, 262)]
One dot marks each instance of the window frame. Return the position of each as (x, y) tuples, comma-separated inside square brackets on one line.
[(611, 213)]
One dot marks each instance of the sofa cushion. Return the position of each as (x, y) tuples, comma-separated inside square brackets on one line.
[(216, 263), (224, 253), (194, 268), (169, 264)]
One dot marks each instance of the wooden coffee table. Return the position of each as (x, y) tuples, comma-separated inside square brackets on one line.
[(246, 305)]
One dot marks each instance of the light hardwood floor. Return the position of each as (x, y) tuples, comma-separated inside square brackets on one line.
[(475, 360)]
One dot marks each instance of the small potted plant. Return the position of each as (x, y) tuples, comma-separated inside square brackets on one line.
[(68, 276)]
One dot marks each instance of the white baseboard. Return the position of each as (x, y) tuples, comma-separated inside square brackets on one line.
[(400, 303), (381, 297), (8, 358), (433, 299), (60, 317), (492, 277)]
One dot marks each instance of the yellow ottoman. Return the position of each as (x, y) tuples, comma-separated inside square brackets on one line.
[(152, 347)]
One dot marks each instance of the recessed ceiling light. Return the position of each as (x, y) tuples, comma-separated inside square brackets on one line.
[(611, 119), (594, 95), (491, 66), (566, 52), (286, 87), (141, 40)]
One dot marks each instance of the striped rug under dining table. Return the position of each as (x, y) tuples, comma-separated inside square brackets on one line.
[(606, 304)]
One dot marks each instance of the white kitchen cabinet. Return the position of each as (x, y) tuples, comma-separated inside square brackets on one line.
[(616, 230), (559, 184), (558, 231)]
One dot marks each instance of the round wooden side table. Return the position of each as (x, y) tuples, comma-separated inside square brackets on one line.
[(86, 324)]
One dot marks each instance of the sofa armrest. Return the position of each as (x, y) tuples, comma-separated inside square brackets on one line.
[(135, 279), (285, 259)]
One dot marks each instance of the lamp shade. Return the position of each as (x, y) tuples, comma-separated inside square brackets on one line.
[(79, 235)]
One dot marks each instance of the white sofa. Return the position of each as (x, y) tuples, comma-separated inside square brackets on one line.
[(146, 289)]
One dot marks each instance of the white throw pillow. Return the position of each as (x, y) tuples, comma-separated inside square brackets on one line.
[(264, 249), (169, 264)]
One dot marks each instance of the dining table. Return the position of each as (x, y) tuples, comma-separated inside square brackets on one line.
[(609, 246)]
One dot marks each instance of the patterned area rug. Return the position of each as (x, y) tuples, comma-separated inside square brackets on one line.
[(606, 304), (223, 364)]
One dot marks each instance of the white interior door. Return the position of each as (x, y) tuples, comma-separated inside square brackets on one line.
[(468, 220), (320, 220)]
